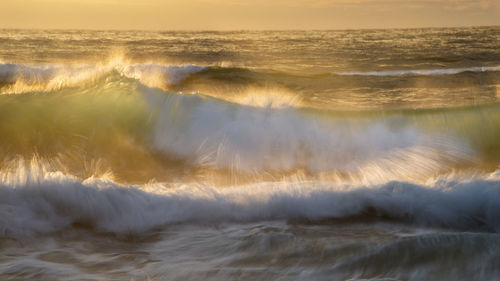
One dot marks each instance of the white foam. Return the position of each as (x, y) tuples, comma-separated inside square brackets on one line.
[(156, 75), (211, 132), (448, 71), (46, 77), (33, 201)]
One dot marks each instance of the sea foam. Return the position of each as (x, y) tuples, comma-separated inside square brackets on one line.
[(34, 200), (216, 133), (445, 71)]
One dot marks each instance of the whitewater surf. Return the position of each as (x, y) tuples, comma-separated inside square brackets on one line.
[(250, 158)]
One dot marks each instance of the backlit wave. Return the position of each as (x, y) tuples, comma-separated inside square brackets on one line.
[(21, 78)]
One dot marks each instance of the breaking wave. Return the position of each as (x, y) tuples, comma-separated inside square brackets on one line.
[(21, 78), (118, 119), (212, 132), (34, 200)]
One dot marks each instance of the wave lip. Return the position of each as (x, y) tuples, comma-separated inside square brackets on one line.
[(157, 75), (449, 71)]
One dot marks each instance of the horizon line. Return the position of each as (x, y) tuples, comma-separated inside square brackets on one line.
[(248, 29)]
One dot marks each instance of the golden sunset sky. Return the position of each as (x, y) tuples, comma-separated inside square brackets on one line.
[(245, 14)]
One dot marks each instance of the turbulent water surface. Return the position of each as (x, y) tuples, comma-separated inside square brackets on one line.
[(304, 155)]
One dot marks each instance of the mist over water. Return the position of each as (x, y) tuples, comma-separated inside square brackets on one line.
[(300, 155)]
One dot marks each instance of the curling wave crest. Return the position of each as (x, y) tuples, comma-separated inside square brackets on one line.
[(23, 78), (221, 134)]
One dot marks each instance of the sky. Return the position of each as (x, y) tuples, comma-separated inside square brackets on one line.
[(246, 14)]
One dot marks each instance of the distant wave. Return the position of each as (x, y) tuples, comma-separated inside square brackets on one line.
[(156, 75), (449, 71), (42, 77), (47, 77), (34, 201)]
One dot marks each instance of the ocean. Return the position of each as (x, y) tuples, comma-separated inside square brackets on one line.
[(250, 155)]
